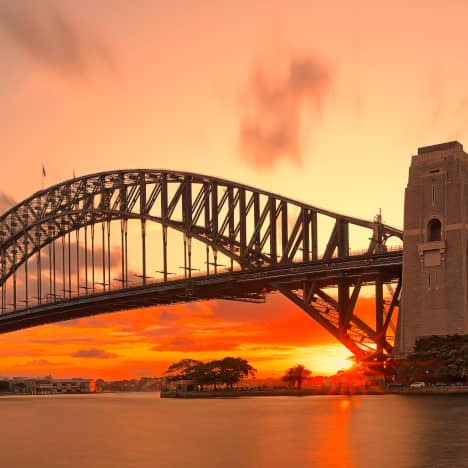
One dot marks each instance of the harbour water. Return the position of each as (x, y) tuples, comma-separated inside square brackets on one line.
[(142, 430)]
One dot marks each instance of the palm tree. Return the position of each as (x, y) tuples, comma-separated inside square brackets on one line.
[(296, 374), (289, 377)]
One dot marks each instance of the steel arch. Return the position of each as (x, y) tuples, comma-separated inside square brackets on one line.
[(256, 229), (37, 220)]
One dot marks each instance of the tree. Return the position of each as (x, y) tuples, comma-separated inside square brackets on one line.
[(437, 358), (4, 386), (182, 370), (231, 370), (228, 371), (288, 377), (100, 385), (296, 374), (206, 374)]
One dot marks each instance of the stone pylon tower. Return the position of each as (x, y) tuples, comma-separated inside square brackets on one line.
[(435, 263)]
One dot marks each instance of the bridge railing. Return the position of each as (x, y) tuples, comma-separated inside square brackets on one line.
[(150, 281)]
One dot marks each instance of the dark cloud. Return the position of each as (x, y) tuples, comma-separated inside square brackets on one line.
[(93, 353), (34, 363), (271, 115), (268, 348), (6, 202), (167, 316), (187, 344), (37, 363), (20, 284), (115, 256), (9, 351), (49, 35), (83, 340)]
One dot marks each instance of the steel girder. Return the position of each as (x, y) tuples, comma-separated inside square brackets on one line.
[(255, 229), (339, 315), (317, 280)]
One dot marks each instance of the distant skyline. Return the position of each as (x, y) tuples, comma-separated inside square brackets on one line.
[(323, 102)]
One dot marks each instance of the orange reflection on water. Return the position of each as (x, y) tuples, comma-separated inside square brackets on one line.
[(344, 404), (335, 450)]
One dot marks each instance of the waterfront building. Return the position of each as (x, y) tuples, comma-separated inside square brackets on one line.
[(48, 386)]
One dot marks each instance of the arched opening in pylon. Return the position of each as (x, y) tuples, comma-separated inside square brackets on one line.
[(434, 230)]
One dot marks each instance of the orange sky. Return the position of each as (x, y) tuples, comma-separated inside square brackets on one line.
[(320, 101)]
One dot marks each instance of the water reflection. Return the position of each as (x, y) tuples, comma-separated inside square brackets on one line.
[(132, 430), (334, 444), (443, 438)]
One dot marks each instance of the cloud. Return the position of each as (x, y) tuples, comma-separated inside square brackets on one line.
[(45, 32), (93, 353), (41, 363), (167, 316), (278, 321), (38, 363), (187, 344), (270, 125), (114, 264), (6, 202), (53, 340)]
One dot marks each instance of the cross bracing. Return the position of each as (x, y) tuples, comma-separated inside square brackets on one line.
[(55, 247)]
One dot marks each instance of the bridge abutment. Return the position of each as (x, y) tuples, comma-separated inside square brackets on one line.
[(435, 242)]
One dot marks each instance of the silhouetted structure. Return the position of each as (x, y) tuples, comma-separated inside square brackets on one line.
[(58, 262), (435, 256)]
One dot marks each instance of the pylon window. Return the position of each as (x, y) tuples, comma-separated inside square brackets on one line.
[(434, 230)]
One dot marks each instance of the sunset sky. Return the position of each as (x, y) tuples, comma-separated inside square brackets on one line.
[(324, 102)]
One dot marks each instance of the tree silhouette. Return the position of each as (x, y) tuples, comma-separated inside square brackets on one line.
[(228, 371), (437, 358), (296, 375), (231, 370), (182, 370)]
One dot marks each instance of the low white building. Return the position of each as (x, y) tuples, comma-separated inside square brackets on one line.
[(48, 386)]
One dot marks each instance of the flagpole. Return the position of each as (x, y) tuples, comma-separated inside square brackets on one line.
[(43, 175)]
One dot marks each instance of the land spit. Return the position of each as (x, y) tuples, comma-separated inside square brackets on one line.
[(449, 390)]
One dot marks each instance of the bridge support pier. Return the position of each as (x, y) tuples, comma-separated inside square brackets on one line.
[(379, 316), (435, 247), (339, 316)]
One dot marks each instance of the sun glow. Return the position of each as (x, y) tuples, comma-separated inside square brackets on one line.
[(321, 359), (328, 360), (344, 404)]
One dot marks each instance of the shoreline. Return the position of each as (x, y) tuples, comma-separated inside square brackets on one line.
[(314, 392), (454, 390), (269, 392)]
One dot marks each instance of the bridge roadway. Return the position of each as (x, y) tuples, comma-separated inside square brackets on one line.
[(247, 285)]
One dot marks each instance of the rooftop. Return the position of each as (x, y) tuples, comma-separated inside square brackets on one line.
[(441, 147)]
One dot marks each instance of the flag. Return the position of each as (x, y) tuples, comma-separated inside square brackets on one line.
[(43, 171)]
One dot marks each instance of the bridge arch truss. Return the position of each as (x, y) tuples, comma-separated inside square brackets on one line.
[(56, 250)]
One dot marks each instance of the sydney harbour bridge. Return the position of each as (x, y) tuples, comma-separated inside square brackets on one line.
[(129, 239)]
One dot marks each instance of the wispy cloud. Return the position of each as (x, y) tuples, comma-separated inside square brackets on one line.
[(187, 344), (6, 202), (93, 353), (48, 34), (38, 363), (270, 125)]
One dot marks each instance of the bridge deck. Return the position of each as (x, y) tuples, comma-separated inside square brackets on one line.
[(241, 285)]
